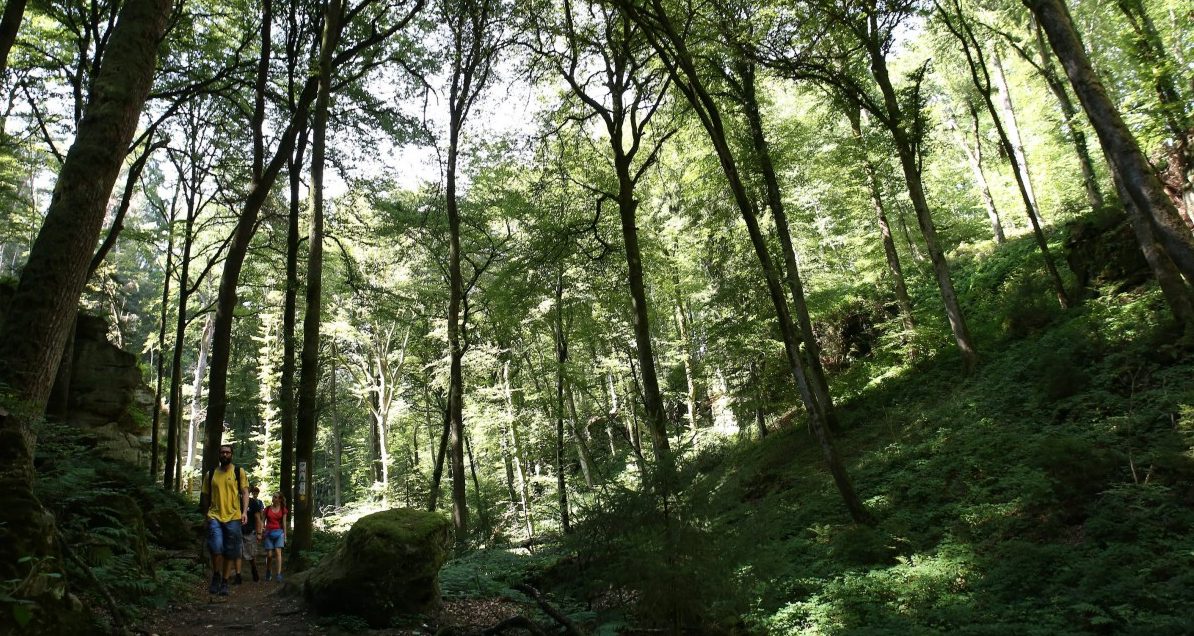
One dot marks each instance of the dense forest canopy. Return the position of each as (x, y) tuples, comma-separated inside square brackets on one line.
[(534, 263)]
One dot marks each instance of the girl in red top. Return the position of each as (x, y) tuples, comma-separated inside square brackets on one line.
[(275, 536)]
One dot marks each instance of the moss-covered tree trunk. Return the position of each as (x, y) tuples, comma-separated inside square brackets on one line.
[(34, 332)]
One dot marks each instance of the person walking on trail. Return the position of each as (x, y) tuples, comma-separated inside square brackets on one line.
[(252, 530), (275, 536), (226, 491)]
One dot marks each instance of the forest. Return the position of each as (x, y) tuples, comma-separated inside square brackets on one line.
[(686, 316)]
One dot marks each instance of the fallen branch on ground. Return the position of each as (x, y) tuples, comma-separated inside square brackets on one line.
[(569, 627)]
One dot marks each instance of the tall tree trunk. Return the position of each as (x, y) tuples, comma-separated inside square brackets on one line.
[(756, 377), (519, 456), (1136, 176), (894, 268), (910, 165), (438, 471), (246, 226), (1073, 128), (43, 308), (974, 157), (1008, 136), (672, 48), (10, 24), (482, 514), (157, 401), (286, 394), (337, 442), (306, 423), (174, 425), (561, 360), (690, 357), (1155, 61), (197, 391), (1010, 127), (812, 351), (578, 438)]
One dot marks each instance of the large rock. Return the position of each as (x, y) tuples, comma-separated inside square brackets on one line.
[(1101, 249), (387, 566)]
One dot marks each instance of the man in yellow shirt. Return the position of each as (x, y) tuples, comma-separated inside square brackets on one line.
[(227, 491)]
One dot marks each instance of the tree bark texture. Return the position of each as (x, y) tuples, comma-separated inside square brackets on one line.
[(34, 333)]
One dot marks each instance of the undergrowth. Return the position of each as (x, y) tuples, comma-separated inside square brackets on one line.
[(1049, 493)]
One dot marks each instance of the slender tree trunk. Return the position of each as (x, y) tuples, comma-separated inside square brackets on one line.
[(756, 375), (43, 308), (197, 391), (1010, 127), (652, 397), (286, 394), (668, 43), (1073, 128), (519, 456), (174, 425), (437, 473), (910, 164), (337, 442), (1155, 62), (1008, 136), (578, 438), (889, 249), (561, 360), (246, 225), (812, 351), (157, 402), (482, 513), (974, 158), (689, 358), (307, 424)]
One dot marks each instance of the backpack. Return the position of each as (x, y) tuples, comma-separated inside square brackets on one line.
[(240, 473)]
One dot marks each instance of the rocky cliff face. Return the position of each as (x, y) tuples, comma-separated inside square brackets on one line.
[(106, 395), (101, 391)]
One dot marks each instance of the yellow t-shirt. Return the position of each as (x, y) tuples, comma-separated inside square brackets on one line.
[(226, 493)]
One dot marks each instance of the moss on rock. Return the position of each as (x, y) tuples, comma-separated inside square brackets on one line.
[(388, 565)]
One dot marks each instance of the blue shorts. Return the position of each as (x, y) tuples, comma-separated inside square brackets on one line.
[(274, 539), (224, 538)]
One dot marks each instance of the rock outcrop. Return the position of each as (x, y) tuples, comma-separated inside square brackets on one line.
[(387, 566)]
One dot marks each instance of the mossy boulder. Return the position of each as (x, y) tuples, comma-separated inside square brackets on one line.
[(387, 566)]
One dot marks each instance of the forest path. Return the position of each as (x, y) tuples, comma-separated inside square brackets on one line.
[(261, 607)]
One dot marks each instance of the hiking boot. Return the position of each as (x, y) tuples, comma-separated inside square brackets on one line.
[(279, 577), (269, 576), (236, 580), (215, 584), (224, 588)]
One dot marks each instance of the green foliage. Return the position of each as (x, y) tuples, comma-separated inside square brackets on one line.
[(102, 508)]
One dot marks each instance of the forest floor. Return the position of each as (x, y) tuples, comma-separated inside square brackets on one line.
[(269, 607)]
